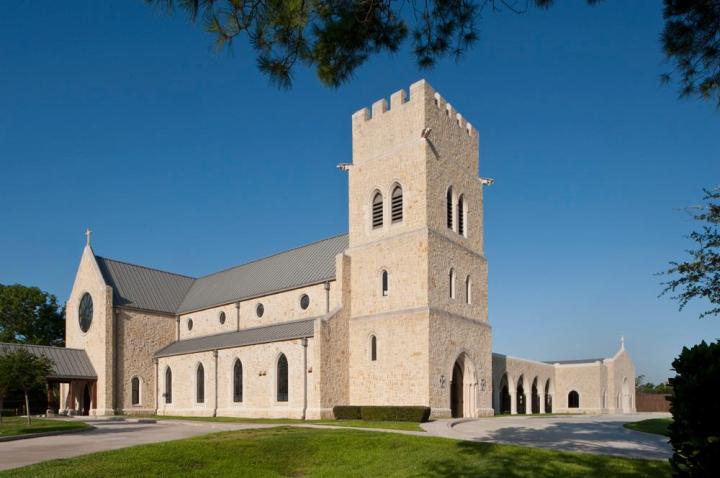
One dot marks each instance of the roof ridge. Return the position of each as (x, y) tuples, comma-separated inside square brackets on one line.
[(145, 267), (39, 345), (273, 255)]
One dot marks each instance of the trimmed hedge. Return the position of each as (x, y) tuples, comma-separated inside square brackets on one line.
[(382, 414), (347, 412)]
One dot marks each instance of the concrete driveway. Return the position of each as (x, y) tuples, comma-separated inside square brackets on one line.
[(601, 434), (108, 435)]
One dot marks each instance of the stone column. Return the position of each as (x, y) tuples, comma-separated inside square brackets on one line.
[(542, 402), (513, 403), (528, 402)]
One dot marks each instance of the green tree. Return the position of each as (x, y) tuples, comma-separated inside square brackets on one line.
[(4, 383), (30, 316), (699, 276), (337, 36), (25, 371)]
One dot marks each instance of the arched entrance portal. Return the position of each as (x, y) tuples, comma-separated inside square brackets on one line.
[(463, 388), (86, 400)]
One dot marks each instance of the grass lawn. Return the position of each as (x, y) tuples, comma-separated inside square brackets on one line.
[(343, 453), (658, 426), (410, 426), (12, 426)]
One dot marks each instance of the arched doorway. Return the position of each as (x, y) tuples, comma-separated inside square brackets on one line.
[(520, 395), (573, 399), (86, 400), (463, 388), (456, 392), (505, 399), (548, 397), (535, 400)]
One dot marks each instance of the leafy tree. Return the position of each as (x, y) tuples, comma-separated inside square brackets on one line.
[(699, 277), (338, 36), (695, 430), (4, 383), (691, 39), (648, 387), (30, 316), (25, 371)]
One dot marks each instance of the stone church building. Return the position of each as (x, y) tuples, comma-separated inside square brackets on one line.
[(392, 313)]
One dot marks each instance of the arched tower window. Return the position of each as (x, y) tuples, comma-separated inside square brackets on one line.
[(461, 216), (468, 290), (385, 283), (449, 208), (377, 210), (168, 385), (282, 379), (452, 283), (135, 391), (200, 384), (396, 205), (573, 399), (238, 381), (373, 348)]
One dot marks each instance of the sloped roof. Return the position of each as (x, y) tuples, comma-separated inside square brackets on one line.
[(304, 265), (67, 363), (257, 335), (144, 288), (152, 289)]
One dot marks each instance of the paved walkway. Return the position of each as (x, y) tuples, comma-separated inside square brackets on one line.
[(108, 435), (601, 434)]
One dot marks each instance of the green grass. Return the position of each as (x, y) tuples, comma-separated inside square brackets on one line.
[(658, 426), (343, 453), (408, 426), (12, 426)]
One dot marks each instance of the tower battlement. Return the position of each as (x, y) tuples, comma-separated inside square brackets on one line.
[(421, 94)]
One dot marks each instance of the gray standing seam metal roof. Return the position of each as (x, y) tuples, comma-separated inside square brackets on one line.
[(151, 289), (309, 264), (144, 288), (257, 335), (67, 363), (572, 362)]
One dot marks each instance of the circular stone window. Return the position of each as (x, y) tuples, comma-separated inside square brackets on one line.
[(222, 318), (190, 324), (85, 312), (259, 310), (304, 301)]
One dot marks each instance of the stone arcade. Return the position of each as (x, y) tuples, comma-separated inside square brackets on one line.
[(392, 313)]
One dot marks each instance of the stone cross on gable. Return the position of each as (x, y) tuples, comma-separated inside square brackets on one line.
[(622, 342), (88, 233)]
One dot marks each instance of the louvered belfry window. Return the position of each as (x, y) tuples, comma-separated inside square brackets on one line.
[(449, 209), (377, 211), (397, 205), (461, 215)]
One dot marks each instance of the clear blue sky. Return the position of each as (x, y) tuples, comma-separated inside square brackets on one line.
[(116, 117)]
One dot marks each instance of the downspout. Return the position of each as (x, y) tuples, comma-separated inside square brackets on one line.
[(237, 308), (327, 296), (215, 357), (157, 385), (304, 343)]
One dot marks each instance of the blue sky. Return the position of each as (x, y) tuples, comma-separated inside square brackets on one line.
[(117, 117)]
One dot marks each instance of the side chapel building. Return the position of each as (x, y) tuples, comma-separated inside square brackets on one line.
[(392, 313)]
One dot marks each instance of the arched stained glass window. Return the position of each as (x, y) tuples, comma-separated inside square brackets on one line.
[(282, 379)]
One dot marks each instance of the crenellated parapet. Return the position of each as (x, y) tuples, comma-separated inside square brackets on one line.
[(421, 97)]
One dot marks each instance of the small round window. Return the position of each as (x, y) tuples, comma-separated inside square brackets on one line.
[(304, 301), (259, 310), (85, 312), (222, 317), (190, 324)]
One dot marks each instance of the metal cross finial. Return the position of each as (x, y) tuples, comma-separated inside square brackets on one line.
[(88, 233), (622, 341)]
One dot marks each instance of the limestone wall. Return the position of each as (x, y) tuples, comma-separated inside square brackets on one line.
[(279, 307), (97, 341), (514, 371), (587, 380), (259, 382), (140, 335)]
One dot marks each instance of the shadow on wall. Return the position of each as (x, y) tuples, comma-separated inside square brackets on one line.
[(483, 459), (608, 438)]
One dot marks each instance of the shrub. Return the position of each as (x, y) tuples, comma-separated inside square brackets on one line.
[(346, 412), (695, 430), (396, 414)]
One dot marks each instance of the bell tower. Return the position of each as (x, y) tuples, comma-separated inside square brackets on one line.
[(419, 277)]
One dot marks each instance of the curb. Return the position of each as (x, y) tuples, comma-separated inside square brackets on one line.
[(45, 434)]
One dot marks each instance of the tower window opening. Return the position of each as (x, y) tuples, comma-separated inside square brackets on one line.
[(377, 211), (397, 205), (449, 207)]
